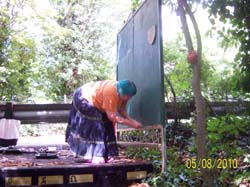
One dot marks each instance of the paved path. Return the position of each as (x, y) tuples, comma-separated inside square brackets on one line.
[(41, 140)]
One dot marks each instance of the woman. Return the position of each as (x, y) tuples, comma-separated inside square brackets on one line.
[(95, 108)]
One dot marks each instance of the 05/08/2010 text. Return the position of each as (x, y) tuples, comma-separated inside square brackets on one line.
[(208, 163)]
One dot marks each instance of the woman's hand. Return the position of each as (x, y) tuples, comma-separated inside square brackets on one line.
[(136, 124)]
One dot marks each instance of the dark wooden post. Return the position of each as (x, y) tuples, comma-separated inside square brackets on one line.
[(8, 110)]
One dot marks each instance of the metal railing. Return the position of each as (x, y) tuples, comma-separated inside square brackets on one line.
[(58, 113), (35, 113)]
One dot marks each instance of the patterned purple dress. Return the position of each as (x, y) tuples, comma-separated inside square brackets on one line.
[(89, 132)]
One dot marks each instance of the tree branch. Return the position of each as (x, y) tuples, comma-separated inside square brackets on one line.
[(185, 29)]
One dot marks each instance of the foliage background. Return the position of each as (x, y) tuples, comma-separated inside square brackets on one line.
[(48, 49)]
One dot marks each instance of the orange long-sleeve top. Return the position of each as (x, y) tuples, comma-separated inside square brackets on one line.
[(102, 94)]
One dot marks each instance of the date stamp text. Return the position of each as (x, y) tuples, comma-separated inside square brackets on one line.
[(208, 163)]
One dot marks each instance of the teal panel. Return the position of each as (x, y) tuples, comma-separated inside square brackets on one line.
[(139, 58)]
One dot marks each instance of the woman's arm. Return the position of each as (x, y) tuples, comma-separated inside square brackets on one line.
[(123, 112), (116, 118)]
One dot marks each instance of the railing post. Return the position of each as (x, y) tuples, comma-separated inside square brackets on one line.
[(8, 110)]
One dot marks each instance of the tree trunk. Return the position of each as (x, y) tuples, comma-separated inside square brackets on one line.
[(201, 133)]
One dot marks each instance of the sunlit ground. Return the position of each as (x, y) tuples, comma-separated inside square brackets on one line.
[(41, 140), (41, 134)]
